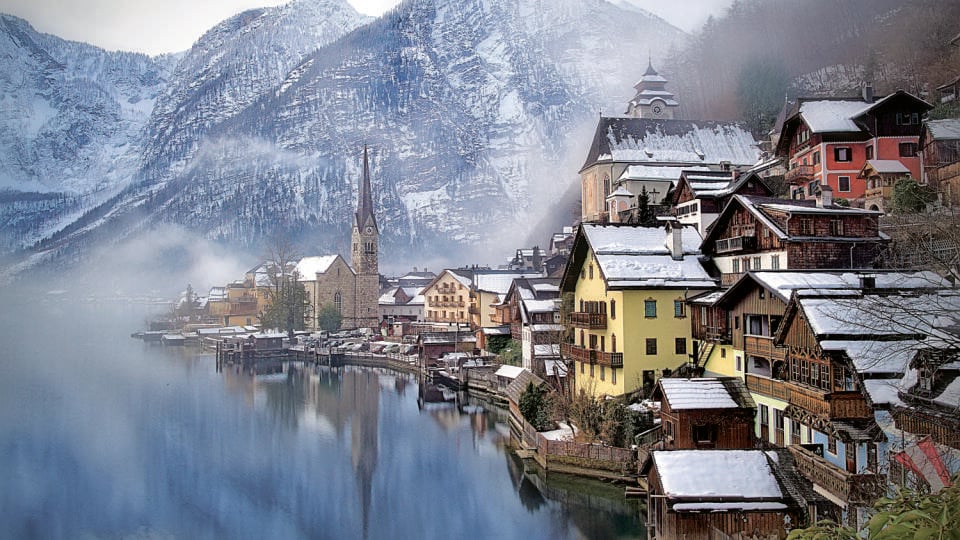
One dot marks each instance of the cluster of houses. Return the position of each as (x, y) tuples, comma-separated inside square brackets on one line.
[(795, 377)]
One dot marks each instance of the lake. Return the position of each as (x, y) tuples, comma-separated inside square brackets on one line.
[(104, 436)]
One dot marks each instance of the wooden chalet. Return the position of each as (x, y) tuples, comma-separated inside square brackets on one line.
[(762, 233), (724, 494), (929, 398), (940, 150), (700, 196), (705, 413), (826, 141)]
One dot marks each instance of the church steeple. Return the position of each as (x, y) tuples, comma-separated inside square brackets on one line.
[(652, 100), (365, 216)]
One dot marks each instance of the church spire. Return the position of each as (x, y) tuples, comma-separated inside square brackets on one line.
[(365, 215)]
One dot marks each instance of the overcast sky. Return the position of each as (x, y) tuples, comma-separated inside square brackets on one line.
[(159, 26)]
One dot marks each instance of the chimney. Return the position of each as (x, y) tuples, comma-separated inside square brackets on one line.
[(824, 197), (868, 92), (676, 244)]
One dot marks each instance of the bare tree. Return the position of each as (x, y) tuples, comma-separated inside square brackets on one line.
[(288, 306)]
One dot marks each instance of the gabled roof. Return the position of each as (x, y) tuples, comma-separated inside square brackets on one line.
[(460, 275), (519, 385), (705, 393), (499, 282), (720, 476), (631, 256), (884, 166), (838, 115), (947, 129), (309, 267), (715, 184), (783, 283), (758, 206), (683, 142)]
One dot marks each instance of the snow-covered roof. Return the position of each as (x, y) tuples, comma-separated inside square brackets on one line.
[(823, 116), (509, 372), (547, 349), (784, 283), (546, 287), (870, 315), (547, 327), (640, 257), (728, 474), (743, 506), (462, 279), (657, 172), (946, 129), (950, 397), (869, 356), (883, 391), (620, 192), (697, 394), (309, 267), (540, 306), (496, 330), (555, 367), (888, 166), (217, 294), (499, 283), (388, 298)]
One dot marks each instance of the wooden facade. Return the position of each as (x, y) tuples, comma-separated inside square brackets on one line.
[(718, 428)]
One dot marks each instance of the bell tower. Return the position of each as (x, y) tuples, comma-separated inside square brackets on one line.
[(653, 100), (365, 245)]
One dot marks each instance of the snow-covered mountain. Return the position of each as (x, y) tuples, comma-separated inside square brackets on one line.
[(471, 109)]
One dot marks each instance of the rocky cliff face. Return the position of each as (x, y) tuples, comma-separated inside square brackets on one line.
[(471, 109)]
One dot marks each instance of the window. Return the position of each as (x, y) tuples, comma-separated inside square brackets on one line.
[(613, 309), (843, 183), (591, 270), (338, 301), (764, 415), (650, 309), (678, 308), (681, 345), (908, 149), (651, 346), (870, 152), (907, 118), (756, 263), (705, 434), (775, 261), (737, 362), (825, 377), (836, 227), (812, 187), (816, 158), (613, 343), (736, 266), (603, 343), (613, 375), (831, 445), (842, 153), (723, 353), (603, 373), (806, 226), (591, 370), (745, 264), (581, 366), (794, 432)]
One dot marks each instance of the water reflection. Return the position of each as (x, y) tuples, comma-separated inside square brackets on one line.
[(103, 436)]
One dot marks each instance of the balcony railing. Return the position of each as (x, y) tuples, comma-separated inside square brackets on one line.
[(589, 321), (763, 346), (835, 405), (737, 243), (800, 172), (846, 486), (590, 356)]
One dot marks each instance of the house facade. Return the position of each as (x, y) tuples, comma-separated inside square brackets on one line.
[(629, 325), (447, 298), (827, 141)]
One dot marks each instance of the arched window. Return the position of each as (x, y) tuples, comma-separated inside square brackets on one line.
[(338, 301)]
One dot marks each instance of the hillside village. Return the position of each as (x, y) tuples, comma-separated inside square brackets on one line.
[(756, 334)]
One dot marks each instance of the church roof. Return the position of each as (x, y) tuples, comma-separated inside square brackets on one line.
[(365, 215), (309, 267), (680, 142)]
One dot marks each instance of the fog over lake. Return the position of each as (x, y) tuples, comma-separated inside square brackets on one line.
[(102, 435)]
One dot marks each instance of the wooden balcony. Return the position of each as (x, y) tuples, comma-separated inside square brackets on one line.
[(590, 356), (763, 346), (846, 486), (715, 334), (589, 321), (736, 243), (799, 173), (834, 405), (729, 278)]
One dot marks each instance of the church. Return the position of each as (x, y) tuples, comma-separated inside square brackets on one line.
[(353, 288), (646, 150)]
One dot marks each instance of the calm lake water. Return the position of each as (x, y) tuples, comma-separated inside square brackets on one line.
[(104, 436)]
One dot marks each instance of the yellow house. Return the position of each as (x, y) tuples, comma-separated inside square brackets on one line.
[(630, 285), (447, 297)]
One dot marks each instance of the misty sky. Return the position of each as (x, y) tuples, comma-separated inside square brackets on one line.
[(162, 26)]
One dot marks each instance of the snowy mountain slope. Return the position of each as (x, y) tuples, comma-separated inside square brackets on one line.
[(71, 117), (471, 109)]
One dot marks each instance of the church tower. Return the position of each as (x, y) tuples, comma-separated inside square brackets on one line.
[(365, 244), (653, 100)]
